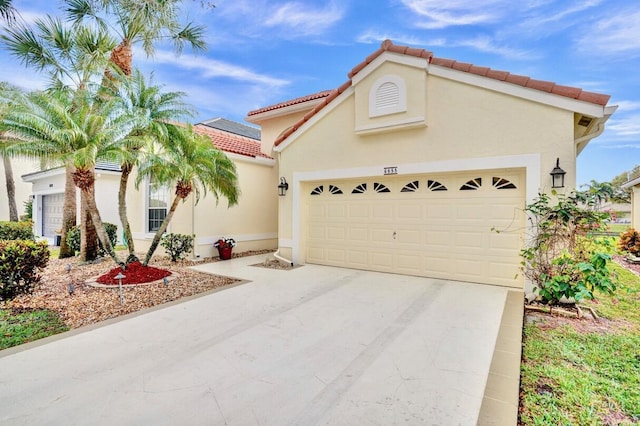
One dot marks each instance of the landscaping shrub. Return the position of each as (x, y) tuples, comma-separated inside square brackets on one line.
[(563, 259), (20, 262), (73, 237), (17, 230), (177, 245), (630, 242)]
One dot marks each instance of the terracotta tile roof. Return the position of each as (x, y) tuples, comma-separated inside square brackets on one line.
[(295, 101), (388, 46), (230, 142)]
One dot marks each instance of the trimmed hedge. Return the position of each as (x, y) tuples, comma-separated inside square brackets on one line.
[(20, 262), (17, 230)]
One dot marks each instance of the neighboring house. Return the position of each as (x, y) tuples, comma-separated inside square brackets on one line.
[(422, 166), (634, 185), (19, 166), (252, 223), (47, 189)]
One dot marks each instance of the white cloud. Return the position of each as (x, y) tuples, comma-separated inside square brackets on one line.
[(304, 20), (284, 20), (615, 34), (210, 68), (441, 14), (627, 127), (373, 36)]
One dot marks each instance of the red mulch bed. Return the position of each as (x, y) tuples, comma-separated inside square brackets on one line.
[(135, 273)]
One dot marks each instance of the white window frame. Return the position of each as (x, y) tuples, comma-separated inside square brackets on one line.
[(147, 204)]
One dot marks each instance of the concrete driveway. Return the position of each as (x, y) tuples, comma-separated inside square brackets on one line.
[(313, 345)]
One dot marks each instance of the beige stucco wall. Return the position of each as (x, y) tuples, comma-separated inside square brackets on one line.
[(635, 207), (253, 222), (462, 122), (106, 186), (20, 166)]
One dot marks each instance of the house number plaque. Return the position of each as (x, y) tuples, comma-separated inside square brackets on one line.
[(390, 170)]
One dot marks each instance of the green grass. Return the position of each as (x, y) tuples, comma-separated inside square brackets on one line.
[(586, 377), (619, 227), (24, 327)]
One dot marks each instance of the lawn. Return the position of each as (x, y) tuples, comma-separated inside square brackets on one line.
[(585, 372), (18, 327)]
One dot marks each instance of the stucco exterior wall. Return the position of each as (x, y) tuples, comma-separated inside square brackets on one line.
[(53, 181), (252, 223), (635, 207), (20, 166), (462, 122)]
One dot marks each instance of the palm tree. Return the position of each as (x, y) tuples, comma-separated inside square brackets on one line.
[(73, 58), (158, 109), (73, 128), (7, 11), (191, 163), (143, 21), (6, 96)]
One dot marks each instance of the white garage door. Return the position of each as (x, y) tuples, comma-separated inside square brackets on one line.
[(440, 226), (52, 214)]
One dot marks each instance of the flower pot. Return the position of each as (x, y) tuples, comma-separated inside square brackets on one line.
[(225, 252)]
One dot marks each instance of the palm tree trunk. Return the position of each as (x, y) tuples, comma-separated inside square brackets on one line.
[(11, 188), (88, 233), (68, 212), (122, 56), (94, 214), (122, 211), (163, 227)]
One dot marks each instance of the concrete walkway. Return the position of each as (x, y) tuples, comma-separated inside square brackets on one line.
[(312, 345)]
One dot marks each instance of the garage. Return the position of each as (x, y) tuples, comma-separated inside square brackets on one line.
[(440, 225), (52, 206)]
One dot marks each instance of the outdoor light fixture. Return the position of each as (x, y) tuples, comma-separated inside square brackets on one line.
[(120, 277), (71, 289), (165, 280), (557, 175), (283, 187)]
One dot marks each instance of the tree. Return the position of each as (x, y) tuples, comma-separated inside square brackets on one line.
[(6, 95), (191, 163), (73, 127), (158, 109), (7, 11), (143, 21), (73, 58)]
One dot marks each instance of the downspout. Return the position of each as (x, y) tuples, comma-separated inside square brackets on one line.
[(282, 259), (277, 253)]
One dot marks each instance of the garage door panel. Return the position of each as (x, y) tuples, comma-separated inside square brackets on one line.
[(442, 234), (358, 211), (336, 233)]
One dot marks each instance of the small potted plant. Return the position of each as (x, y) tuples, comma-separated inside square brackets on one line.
[(224, 246)]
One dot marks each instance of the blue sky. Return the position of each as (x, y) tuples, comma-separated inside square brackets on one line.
[(263, 52)]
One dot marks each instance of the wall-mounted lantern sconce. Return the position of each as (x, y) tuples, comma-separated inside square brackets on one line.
[(283, 187), (557, 175)]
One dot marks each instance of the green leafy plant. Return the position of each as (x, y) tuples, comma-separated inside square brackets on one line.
[(17, 230), (630, 242), (177, 245), (20, 262), (74, 237), (562, 258)]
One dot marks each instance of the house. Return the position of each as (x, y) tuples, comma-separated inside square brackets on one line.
[(252, 223), (47, 192), (19, 166), (634, 186), (422, 166)]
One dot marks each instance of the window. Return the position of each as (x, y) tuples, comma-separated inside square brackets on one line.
[(157, 204), (472, 185)]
